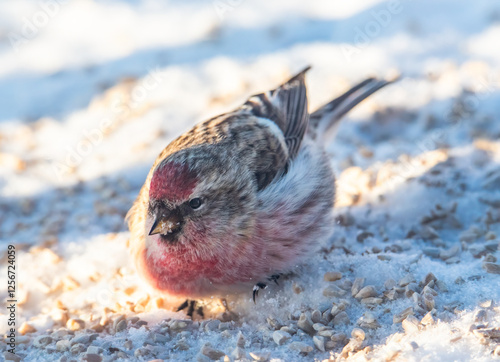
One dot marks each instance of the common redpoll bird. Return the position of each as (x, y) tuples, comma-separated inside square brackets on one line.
[(242, 197)]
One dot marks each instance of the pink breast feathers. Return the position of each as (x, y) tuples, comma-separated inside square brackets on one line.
[(172, 181)]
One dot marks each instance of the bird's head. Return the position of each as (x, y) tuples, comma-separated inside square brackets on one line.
[(198, 196)]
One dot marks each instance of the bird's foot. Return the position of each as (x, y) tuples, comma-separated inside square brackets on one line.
[(274, 278), (191, 306), (256, 288)]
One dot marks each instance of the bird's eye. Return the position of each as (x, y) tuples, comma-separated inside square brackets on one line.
[(195, 203)]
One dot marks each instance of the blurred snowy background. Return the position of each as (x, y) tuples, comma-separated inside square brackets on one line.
[(92, 90)]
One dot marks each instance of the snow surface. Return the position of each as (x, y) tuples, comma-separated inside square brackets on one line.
[(92, 90)]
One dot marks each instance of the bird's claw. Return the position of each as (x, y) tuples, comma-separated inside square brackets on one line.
[(256, 289), (191, 306), (274, 278)]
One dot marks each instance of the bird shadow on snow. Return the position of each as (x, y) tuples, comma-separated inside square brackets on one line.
[(59, 94)]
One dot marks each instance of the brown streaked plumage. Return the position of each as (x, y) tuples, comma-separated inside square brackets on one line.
[(240, 197)]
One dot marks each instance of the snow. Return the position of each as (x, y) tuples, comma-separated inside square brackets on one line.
[(92, 90)]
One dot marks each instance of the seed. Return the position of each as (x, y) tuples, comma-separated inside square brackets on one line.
[(407, 280), (428, 278), (427, 320), (451, 252), (398, 318), (333, 291), (491, 268), (26, 328), (358, 333), (371, 301), (75, 324), (319, 342), (305, 323), (410, 324), (480, 316), (366, 292), (332, 276), (357, 285), (300, 347), (42, 341), (211, 353), (260, 356), (280, 337), (389, 284), (341, 318), (63, 345)]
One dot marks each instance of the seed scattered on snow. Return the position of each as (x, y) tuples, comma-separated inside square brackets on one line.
[(389, 284), (297, 288), (177, 325), (429, 278), (432, 252), (95, 350), (453, 260), (341, 318), (358, 333), (332, 276), (353, 346), (316, 316), (398, 318), (487, 304), (480, 316), (42, 341), (366, 292), (490, 235), (288, 330), (333, 291), (260, 356), (371, 301), (274, 323), (490, 258), (212, 325), (280, 337), (84, 338), (305, 323), (78, 348), (240, 340), (300, 347), (491, 268), (441, 286), (409, 278), (368, 321), (410, 324), (427, 320), (238, 353), (121, 326), (91, 357), (491, 333), (319, 342), (211, 353), (26, 328), (75, 324), (11, 357), (357, 285)]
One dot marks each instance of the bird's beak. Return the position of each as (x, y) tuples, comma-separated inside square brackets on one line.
[(166, 224)]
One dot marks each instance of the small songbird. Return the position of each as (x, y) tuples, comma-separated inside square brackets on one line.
[(242, 197)]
